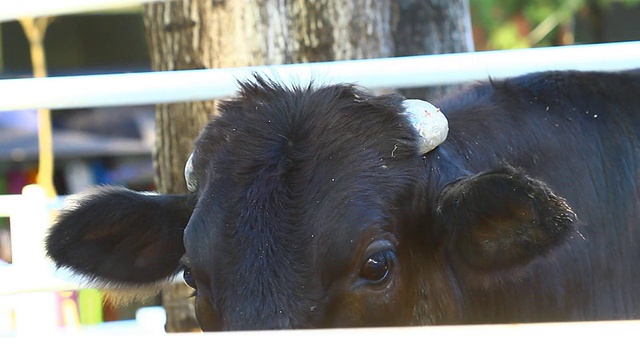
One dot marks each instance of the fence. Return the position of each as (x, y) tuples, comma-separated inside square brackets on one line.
[(605, 340), (33, 275), (402, 72)]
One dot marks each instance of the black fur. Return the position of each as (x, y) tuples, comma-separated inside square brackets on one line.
[(119, 235), (527, 212), (510, 219)]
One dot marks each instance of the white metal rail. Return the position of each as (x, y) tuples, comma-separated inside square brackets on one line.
[(12, 10), (603, 340), (402, 72)]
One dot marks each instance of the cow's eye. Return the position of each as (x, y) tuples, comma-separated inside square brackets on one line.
[(379, 264), (187, 276)]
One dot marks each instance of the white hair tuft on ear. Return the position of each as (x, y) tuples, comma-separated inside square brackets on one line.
[(429, 122)]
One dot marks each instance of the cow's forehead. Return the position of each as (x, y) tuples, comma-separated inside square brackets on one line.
[(333, 121), (296, 198), (285, 174)]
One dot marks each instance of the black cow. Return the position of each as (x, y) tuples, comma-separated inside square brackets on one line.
[(315, 207)]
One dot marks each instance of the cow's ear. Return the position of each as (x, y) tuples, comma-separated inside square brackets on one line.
[(503, 218), (115, 235)]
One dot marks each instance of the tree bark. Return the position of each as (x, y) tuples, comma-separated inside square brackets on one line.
[(174, 36), (195, 34), (431, 27)]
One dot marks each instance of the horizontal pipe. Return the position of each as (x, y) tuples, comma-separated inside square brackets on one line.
[(17, 279), (9, 204), (591, 340), (400, 72), (13, 10)]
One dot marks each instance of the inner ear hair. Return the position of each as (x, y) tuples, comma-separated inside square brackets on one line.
[(124, 296), (503, 218)]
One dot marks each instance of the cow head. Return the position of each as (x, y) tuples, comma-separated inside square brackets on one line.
[(311, 207)]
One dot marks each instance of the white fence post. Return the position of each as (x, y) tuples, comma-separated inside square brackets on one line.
[(37, 311), (28, 226)]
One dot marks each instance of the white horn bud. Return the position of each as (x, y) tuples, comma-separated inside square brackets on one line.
[(192, 183), (429, 122)]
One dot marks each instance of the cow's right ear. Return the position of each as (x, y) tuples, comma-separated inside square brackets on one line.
[(503, 218), (119, 236)]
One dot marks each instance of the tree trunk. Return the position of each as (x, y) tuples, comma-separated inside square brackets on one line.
[(173, 35), (431, 27), (194, 34)]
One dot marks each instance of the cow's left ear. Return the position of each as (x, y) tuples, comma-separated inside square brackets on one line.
[(118, 236), (503, 218)]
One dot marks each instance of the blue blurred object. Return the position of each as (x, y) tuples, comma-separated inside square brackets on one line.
[(19, 119)]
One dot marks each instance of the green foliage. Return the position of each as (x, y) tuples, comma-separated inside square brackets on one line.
[(508, 24)]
